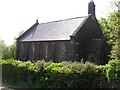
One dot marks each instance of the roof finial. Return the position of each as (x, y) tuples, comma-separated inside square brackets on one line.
[(37, 20)]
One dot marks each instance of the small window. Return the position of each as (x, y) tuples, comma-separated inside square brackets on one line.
[(76, 54), (77, 43)]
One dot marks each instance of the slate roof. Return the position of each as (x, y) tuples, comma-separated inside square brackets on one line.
[(56, 30)]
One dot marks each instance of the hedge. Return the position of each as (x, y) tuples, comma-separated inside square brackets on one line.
[(41, 74)]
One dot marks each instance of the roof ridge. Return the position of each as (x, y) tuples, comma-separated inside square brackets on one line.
[(63, 20)]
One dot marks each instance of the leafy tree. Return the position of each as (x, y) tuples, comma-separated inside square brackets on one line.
[(111, 29), (104, 24), (0, 49), (114, 23), (12, 51), (4, 50), (8, 52)]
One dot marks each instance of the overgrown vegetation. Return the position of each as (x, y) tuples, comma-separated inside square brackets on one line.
[(111, 29), (41, 74), (8, 51)]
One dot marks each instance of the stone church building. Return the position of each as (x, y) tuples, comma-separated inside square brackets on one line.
[(70, 39)]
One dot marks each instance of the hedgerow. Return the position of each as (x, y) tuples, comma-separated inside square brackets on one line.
[(41, 74)]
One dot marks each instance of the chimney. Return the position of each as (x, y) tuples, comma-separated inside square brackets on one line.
[(91, 8)]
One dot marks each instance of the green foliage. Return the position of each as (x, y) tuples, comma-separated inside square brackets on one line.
[(113, 70), (7, 52), (114, 21), (104, 24), (12, 51), (41, 74), (4, 49), (10, 61), (111, 29)]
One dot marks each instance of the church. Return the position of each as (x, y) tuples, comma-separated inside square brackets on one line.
[(73, 39)]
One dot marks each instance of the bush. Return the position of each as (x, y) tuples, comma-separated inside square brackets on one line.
[(41, 74)]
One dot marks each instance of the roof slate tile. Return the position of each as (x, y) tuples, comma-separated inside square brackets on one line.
[(56, 30)]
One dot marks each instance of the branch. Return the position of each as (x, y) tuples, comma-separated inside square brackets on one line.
[(117, 4)]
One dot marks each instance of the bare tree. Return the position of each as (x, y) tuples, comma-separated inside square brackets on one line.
[(117, 4)]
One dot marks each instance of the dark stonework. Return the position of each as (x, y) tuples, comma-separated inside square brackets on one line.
[(73, 39)]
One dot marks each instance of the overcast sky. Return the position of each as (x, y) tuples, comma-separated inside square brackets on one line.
[(19, 15)]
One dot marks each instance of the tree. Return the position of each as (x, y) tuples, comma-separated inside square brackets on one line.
[(106, 29), (111, 29), (114, 24), (12, 51), (12, 48), (4, 50), (0, 49), (117, 4), (8, 52)]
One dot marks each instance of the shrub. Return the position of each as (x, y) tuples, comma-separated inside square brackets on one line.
[(113, 70), (41, 74)]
